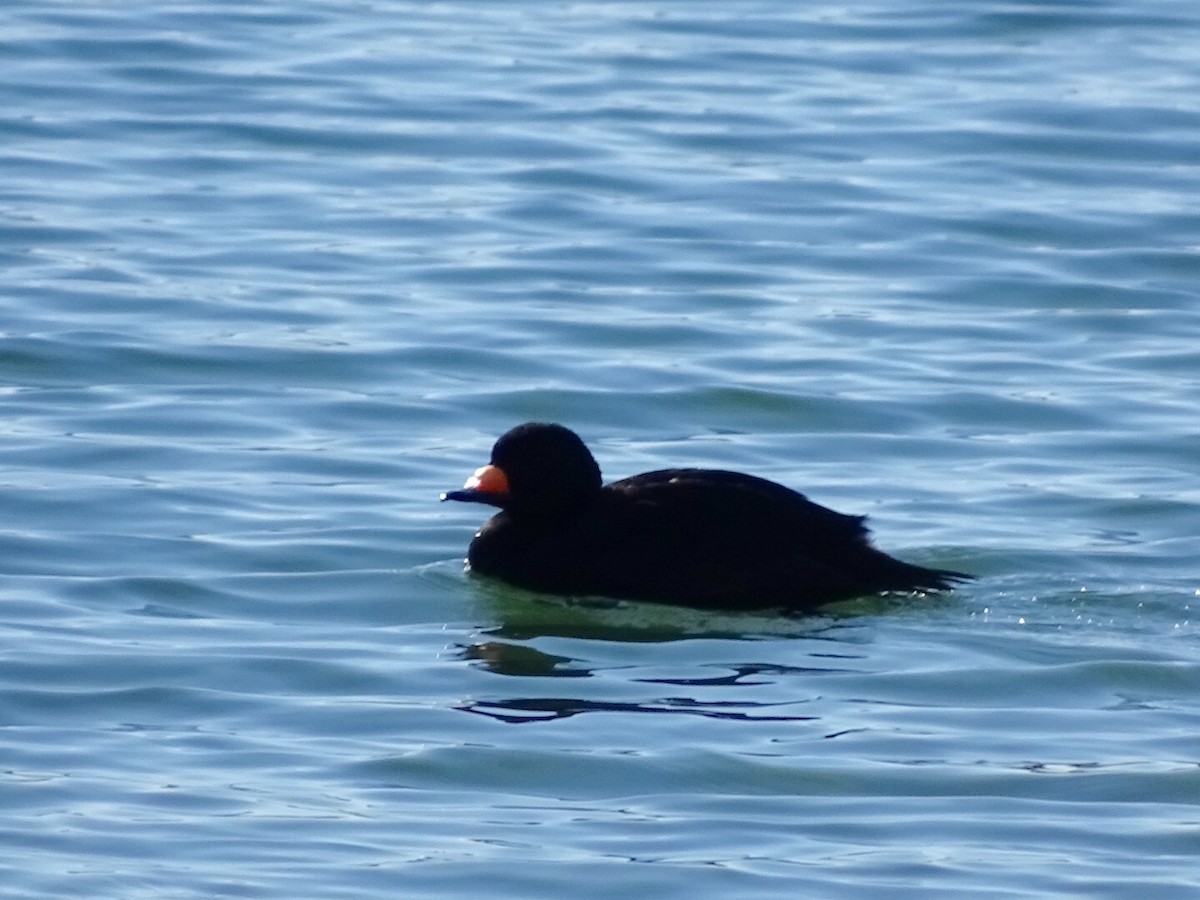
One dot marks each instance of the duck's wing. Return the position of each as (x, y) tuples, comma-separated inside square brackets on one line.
[(713, 538), (775, 514)]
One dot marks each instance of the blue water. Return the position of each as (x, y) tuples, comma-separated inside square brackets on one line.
[(275, 275)]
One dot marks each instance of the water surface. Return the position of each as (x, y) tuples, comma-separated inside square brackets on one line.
[(276, 276)]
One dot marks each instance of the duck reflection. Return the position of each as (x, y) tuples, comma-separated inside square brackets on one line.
[(521, 660), (607, 632), (523, 615), (503, 658), (542, 709)]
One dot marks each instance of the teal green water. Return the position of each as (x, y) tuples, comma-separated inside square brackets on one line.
[(277, 275)]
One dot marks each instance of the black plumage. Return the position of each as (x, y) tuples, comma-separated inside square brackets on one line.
[(702, 538)]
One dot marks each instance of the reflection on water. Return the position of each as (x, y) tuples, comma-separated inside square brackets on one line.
[(524, 661), (515, 659), (523, 615), (542, 709), (603, 629), (744, 675), (503, 658)]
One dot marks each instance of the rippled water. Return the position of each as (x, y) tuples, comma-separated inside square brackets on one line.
[(276, 275)]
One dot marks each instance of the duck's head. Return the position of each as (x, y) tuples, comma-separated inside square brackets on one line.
[(535, 467)]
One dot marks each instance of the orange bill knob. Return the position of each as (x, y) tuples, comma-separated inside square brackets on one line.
[(488, 480)]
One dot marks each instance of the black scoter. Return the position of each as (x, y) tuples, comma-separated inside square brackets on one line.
[(702, 538)]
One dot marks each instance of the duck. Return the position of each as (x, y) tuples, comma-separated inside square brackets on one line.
[(701, 538)]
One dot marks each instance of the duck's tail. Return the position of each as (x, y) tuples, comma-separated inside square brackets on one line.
[(919, 578)]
